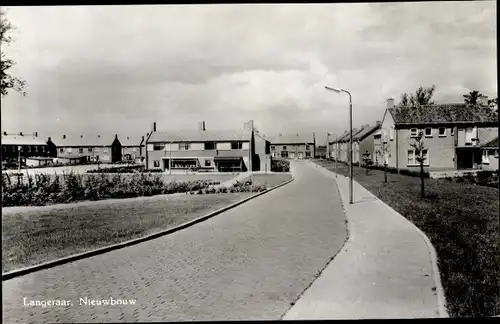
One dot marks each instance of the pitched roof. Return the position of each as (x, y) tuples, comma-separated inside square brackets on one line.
[(200, 136), (131, 140), (367, 130), (443, 113), (345, 137), (492, 143), (84, 140), (292, 139), (22, 140)]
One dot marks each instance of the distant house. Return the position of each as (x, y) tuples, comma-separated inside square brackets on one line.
[(490, 155), (208, 150), (295, 146), (94, 148), (321, 152), (452, 135), (22, 145), (133, 148), (363, 144)]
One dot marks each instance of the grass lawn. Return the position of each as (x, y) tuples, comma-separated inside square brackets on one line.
[(39, 234), (270, 180), (461, 220)]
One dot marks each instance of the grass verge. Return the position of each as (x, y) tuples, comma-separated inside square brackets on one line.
[(40, 234), (462, 222)]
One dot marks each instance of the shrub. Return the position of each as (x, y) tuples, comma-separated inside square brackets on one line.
[(280, 166)]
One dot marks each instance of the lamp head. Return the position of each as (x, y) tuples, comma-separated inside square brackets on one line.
[(337, 90)]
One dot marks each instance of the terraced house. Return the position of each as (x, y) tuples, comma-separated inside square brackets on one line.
[(362, 144), (295, 146), (452, 134), (22, 145), (133, 148), (208, 150), (83, 148)]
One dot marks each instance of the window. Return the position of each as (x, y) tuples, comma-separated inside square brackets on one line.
[(105, 150), (413, 132), (452, 131), (308, 148), (208, 163), (284, 154), (90, 150), (210, 146), (158, 147), (496, 153), (70, 150), (80, 150), (284, 147), (184, 146), (61, 150), (391, 133), (134, 149), (428, 132), (442, 131), (28, 148), (412, 157), (156, 164), (486, 160), (236, 146), (308, 154), (273, 147), (96, 150)]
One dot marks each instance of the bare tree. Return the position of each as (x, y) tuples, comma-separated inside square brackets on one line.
[(472, 97), (419, 147), (384, 150), (422, 96), (8, 81)]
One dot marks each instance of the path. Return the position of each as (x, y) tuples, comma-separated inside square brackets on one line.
[(250, 262), (384, 271)]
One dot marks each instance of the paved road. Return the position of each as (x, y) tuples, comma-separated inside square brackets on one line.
[(249, 263)]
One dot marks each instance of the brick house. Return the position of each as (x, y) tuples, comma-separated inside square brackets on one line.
[(133, 148), (321, 152), (294, 146), (22, 145), (490, 155), (207, 150), (340, 146), (453, 134), (95, 148)]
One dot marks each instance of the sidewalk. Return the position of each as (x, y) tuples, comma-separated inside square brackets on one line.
[(385, 269)]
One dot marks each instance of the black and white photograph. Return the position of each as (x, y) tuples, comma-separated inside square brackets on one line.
[(239, 162)]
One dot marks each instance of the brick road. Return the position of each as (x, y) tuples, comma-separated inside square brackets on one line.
[(249, 263)]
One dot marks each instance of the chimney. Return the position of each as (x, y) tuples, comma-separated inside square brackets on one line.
[(64, 136), (98, 136), (201, 126), (116, 135), (81, 136), (5, 133), (129, 138), (49, 139), (35, 134), (143, 138), (21, 133), (379, 122), (154, 127), (390, 103)]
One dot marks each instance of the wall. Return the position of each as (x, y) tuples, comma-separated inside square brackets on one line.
[(493, 159), (386, 126), (441, 150), (10, 151), (134, 151), (367, 144), (262, 151)]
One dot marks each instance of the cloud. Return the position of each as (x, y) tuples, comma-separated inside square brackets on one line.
[(123, 67)]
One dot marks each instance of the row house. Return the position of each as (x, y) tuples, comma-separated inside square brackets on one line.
[(133, 148), (363, 144), (321, 152), (294, 146), (24, 146), (207, 150), (80, 149), (452, 135)]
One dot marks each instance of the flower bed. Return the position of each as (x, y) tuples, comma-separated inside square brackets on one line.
[(280, 166), (120, 169)]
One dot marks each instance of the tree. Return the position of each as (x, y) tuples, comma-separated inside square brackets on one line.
[(472, 97), (384, 151), (421, 97), (419, 147), (493, 104), (8, 81)]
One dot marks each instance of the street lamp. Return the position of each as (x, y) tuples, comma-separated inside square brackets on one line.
[(337, 90)]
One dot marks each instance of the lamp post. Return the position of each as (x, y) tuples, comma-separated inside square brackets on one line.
[(170, 158), (337, 90), (19, 159)]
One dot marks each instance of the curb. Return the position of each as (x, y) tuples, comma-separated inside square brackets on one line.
[(441, 299), (50, 264)]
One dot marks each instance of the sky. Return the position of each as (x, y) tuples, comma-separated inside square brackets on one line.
[(118, 69)]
